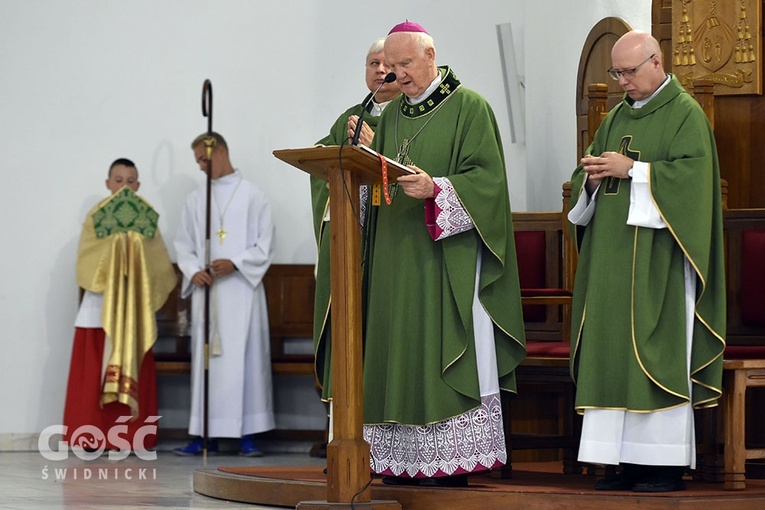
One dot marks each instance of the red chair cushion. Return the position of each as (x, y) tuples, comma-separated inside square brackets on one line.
[(530, 252), (744, 352), (541, 349), (544, 292), (753, 278)]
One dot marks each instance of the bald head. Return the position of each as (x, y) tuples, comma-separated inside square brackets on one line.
[(638, 43), (637, 57)]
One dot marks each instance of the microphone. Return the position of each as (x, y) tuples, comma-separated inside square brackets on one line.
[(389, 78)]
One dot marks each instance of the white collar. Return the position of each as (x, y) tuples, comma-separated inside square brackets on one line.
[(436, 81), (643, 102), (234, 176), (377, 108)]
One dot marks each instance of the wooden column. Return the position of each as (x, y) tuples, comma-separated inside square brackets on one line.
[(597, 107), (348, 453), (704, 92), (348, 471)]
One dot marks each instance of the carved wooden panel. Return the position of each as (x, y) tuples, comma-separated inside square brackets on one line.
[(739, 120), (720, 41)]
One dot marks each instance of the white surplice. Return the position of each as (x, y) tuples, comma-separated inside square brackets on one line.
[(240, 389)]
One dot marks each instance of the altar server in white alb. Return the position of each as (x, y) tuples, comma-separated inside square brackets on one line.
[(241, 248)]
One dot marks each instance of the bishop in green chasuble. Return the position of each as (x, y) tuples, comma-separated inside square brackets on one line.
[(639, 343), (443, 293)]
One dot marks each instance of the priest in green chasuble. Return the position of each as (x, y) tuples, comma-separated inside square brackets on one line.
[(444, 329), (341, 131), (648, 325)]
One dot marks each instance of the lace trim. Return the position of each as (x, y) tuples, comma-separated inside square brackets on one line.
[(450, 215), (363, 198), (469, 442)]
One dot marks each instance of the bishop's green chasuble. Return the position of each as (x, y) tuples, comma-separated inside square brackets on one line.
[(419, 357)]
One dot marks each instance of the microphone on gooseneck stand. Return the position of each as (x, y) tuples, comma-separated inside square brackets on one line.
[(389, 78)]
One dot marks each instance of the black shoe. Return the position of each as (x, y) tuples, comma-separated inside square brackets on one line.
[(623, 481), (661, 479), (445, 481), (399, 480)]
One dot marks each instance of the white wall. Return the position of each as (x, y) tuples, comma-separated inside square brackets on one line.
[(555, 43), (85, 81)]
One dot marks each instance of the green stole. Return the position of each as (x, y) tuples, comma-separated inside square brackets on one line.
[(628, 324), (419, 359)]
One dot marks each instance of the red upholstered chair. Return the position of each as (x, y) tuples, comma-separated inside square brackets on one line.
[(530, 249), (541, 250), (744, 365), (753, 277), (545, 267)]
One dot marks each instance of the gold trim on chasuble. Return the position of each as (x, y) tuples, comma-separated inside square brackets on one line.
[(126, 385), (712, 402), (632, 331)]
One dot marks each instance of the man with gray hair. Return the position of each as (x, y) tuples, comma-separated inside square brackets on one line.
[(342, 130)]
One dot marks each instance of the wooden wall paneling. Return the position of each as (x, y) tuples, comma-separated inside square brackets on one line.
[(661, 26), (740, 134), (734, 139)]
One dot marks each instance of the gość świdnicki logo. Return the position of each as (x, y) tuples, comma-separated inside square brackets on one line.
[(88, 441)]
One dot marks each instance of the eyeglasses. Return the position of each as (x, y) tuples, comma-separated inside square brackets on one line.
[(628, 73)]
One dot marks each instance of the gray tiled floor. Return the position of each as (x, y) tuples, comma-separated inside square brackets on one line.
[(128, 484)]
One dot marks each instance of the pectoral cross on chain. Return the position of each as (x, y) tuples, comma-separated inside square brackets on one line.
[(403, 151), (221, 234)]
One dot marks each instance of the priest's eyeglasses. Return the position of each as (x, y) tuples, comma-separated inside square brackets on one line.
[(628, 73)]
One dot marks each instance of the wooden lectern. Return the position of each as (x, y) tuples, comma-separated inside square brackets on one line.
[(345, 168)]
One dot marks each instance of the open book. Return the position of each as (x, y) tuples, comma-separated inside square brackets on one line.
[(404, 169), (363, 161)]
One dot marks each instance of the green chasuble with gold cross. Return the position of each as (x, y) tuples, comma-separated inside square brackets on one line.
[(628, 325), (419, 351)]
